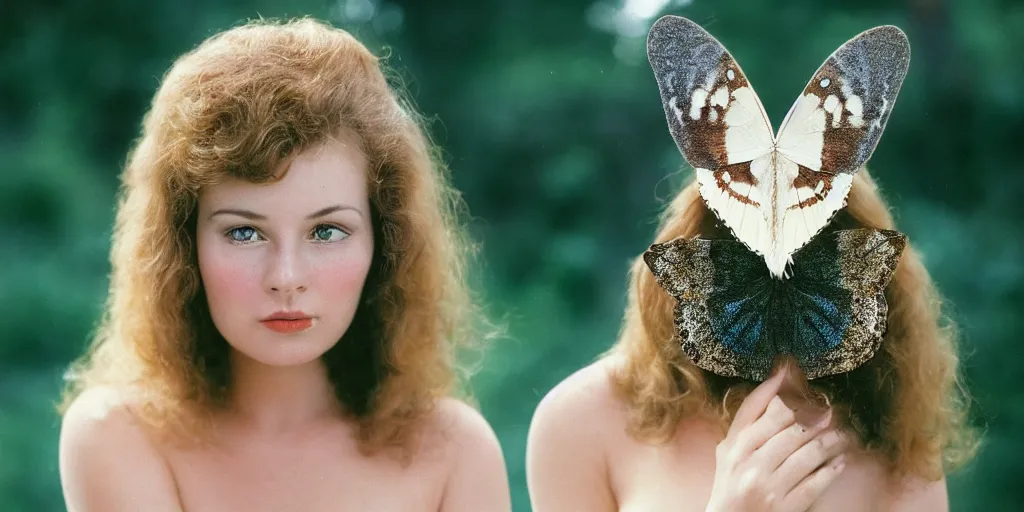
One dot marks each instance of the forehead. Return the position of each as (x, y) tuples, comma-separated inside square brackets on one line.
[(332, 172)]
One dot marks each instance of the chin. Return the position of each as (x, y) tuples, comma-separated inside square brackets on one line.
[(281, 356), (294, 350)]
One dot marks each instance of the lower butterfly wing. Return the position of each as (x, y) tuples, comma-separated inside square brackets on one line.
[(832, 130), (835, 299), (722, 292), (719, 125), (734, 320)]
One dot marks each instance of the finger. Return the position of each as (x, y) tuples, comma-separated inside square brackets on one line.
[(809, 457), (787, 442), (776, 418), (755, 404), (812, 487)]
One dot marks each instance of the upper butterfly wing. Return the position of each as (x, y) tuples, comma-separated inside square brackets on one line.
[(832, 130), (718, 123)]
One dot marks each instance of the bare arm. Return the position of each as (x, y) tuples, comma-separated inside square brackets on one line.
[(107, 463), (566, 468), (478, 481)]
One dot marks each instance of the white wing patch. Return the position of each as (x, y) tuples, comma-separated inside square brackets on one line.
[(804, 129), (801, 208), (697, 102), (856, 109), (720, 98), (748, 135), (737, 204)]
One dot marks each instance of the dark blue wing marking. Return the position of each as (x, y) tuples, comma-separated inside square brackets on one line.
[(739, 297), (741, 325), (829, 317)]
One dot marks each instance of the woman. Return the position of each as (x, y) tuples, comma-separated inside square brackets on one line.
[(644, 429), (286, 301)]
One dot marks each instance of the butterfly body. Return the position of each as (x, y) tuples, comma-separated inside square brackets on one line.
[(734, 318), (775, 192)]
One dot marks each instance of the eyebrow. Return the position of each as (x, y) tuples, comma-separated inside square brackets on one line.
[(251, 215)]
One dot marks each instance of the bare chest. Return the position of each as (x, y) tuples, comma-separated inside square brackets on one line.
[(302, 477), (679, 477)]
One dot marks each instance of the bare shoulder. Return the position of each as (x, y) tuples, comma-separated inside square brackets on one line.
[(477, 477), (584, 403), (463, 428), (571, 433), (99, 419), (914, 494), (102, 449), (867, 481)]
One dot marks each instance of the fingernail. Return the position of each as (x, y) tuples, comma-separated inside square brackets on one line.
[(840, 462)]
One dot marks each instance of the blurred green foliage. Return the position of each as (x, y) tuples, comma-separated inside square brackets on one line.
[(550, 120)]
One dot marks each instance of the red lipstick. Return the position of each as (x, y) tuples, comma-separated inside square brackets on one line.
[(288, 321)]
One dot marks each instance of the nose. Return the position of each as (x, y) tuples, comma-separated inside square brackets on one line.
[(286, 272)]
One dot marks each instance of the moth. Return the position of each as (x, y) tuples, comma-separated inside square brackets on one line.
[(733, 318), (775, 192)]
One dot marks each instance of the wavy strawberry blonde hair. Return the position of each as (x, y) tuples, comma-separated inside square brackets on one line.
[(906, 403), (239, 105)]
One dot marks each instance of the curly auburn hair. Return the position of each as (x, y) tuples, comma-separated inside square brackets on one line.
[(239, 105), (906, 403)]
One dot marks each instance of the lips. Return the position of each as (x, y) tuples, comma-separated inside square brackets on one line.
[(288, 322)]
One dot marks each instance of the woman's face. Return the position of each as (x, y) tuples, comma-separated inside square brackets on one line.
[(283, 263)]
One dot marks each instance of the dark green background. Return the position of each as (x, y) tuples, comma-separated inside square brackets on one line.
[(550, 120)]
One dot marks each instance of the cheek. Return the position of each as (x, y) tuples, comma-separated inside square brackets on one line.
[(340, 279), (231, 281)]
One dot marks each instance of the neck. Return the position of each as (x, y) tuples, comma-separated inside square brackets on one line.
[(277, 399)]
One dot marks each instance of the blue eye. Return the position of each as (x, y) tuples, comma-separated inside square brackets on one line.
[(329, 233), (243, 234)]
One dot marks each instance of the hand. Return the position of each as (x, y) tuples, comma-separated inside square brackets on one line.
[(770, 462)]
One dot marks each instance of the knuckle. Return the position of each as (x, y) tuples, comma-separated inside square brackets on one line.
[(803, 494), (843, 440), (750, 483), (723, 452), (820, 447), (832, 441), (797, 430), (788, 414), (733, 457), (742, 439), (822, 443), (727, 454)]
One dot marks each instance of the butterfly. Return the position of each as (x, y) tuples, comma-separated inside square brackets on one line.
[(732, 318), (775, 192)]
